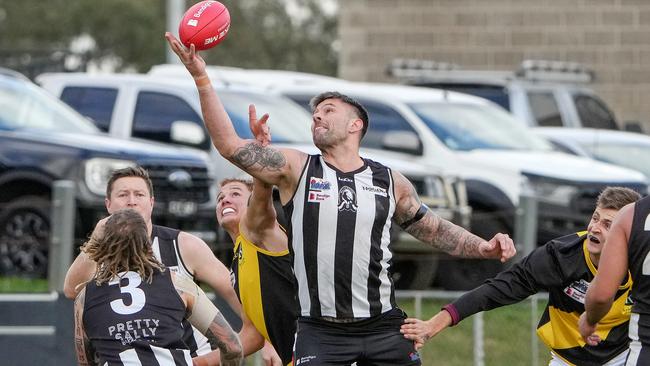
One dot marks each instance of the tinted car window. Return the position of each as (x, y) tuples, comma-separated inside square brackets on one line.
[(95, 103), (382, 119), (545, 109), (155, 113), (593, 113), (494, 93)]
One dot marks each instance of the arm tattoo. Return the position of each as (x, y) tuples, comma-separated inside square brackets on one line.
[(85, 353), (446, 236), (221, 335), (251, 154)]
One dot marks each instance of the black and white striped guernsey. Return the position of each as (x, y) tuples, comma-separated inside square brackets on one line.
[(164, 243), (339, 233)]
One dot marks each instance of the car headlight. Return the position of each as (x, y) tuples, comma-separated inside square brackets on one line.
[(98, 170), (550, 191)]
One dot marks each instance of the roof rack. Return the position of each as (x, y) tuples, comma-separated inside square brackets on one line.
[(563, 71), (415, 70)]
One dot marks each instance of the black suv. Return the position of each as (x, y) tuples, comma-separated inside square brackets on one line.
[(42, 140)]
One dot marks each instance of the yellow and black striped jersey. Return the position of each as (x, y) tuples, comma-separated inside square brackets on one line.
[(264, 283), (564, 269)]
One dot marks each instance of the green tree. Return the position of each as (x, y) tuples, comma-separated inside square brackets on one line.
[(38, 34)]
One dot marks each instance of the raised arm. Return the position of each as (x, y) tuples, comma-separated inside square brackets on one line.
[(80, 271), (419, 221), (271, 165), (83, 349)]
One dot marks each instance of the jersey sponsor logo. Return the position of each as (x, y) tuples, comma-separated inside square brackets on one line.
[(317, 196), (376, 190), (304, 360), (347, 199), (319, 184), (577, 290), (345, 179), (133, 330)]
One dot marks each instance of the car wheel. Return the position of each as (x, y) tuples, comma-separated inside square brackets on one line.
[(25, 237)]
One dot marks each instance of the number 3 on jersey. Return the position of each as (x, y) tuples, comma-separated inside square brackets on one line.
[(128, 285)]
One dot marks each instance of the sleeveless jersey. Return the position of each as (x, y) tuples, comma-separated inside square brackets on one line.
[(132, 322), (339, 232), (264, 283), (164, 242)]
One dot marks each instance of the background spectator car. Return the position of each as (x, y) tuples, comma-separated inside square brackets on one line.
[(167, 109), (42, 140), (499, 158), (540, 93), (627, 149)]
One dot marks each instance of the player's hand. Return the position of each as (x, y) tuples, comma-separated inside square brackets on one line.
[(260, 129), (588, 331), (499, 247), (269, 356), (193, 62), (420, 331)]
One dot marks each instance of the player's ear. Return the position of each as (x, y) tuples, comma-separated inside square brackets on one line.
[(356, 125)]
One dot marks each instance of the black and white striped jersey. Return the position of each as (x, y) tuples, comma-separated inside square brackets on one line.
[(131, 322), (339, 233), (164, 243)]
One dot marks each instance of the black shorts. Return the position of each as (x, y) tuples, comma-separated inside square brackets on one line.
[(376, 341)]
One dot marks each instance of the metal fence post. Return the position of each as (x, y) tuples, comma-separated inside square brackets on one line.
[(61, 232), (526, 221), (479, 351)]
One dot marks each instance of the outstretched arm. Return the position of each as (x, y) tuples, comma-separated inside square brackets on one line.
[(441, 234), (266, 163)]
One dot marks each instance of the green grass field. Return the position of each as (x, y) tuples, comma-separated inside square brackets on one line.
[(507, 339), (507, 330)]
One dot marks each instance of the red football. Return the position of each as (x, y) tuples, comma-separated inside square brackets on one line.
[(205, 24)]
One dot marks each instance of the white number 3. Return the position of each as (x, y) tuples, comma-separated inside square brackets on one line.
[(138, 299)]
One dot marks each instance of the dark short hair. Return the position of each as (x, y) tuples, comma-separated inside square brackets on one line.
[(132, 171), (616, 197), (361, 112)]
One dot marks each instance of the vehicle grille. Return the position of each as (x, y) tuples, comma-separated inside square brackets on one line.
[(164, 190)]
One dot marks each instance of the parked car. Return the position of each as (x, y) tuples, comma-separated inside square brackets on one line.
[(627, 149), (42, 140), (167, 109), (498, 157), (540, 93)]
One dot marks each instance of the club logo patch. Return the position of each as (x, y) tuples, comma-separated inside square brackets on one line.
[(577, 290), (347, 199)]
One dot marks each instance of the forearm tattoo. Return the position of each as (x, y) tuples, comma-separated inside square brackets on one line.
[(221, 335), (446, 236), (266, 157), (85, 353)]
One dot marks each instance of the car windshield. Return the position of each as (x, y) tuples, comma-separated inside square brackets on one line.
[(627, 155), (26, 106), (464, 127), (287, 121)]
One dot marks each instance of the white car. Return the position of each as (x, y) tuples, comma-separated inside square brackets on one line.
[(167, 110), (626, 149), (496, 155)]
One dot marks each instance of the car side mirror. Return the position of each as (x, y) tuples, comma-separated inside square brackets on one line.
[(402, 141), (632, 126), (187, 133)]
